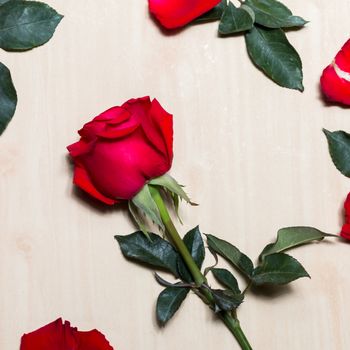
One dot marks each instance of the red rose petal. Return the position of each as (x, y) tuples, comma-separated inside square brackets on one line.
[(61, 336), (335, 79), (93, 340), (153, 132), (117, 114), (345, 231), (79, 148), (177, 13), (342, 59), (335, 88), (50, 337), (164, 120), (151, 123), (82, 180), (115, 133)]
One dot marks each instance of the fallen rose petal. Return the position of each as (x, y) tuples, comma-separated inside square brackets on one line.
[(177, 13), (335, 79), (61, 336), (92, 340), (345, 231)]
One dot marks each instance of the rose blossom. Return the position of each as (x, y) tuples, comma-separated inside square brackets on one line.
[(335, 79), (123, 148), (177, 13), (61, 336)]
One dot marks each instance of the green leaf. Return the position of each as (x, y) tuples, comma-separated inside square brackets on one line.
[(273, 14), (145, 202), (235, 20), (8, 97), (339, 149), (226, 278), (168, 302), (226, 300), (156, 252), (249, 10), (270, 51), (214, 14), (194, 243), (291, 237), (232, 254), (26, 24), (278, 268), (3, 1)]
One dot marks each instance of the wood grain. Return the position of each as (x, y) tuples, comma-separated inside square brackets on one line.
[(251, 153)]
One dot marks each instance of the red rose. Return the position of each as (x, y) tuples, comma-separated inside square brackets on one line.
[(345, 231), (176, 13), (123, 148), (59, 336), (335, 79)]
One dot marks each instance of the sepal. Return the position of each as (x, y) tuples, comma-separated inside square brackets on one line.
[(170, 184), (143, 204), (146, 204)]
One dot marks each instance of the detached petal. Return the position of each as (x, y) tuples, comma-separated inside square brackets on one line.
[(177, 13), (59, 336), (335, 79), (93, 340), (345, 231), (334, 87), (52, 336), (343, 57)]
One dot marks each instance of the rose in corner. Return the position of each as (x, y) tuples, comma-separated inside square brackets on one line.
[(335, 79), (177, 13), (123, 148)]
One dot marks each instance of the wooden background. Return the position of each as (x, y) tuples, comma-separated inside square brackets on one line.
[(251, 153)]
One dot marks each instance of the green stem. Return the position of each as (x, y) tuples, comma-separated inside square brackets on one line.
[(175, 237), (234, 326), (231, 323)]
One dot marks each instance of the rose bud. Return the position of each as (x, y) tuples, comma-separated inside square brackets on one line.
[(345, 231), (335, 79), (59, 336), (177, 13), (125, 150)]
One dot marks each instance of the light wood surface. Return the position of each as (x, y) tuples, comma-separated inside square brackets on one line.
[(251, 153)]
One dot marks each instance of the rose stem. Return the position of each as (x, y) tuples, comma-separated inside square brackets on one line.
[(231, 322)]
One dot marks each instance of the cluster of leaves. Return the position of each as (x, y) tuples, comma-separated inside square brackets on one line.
[(274, 267), (263, 23), (339, 149), (23, 26)]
